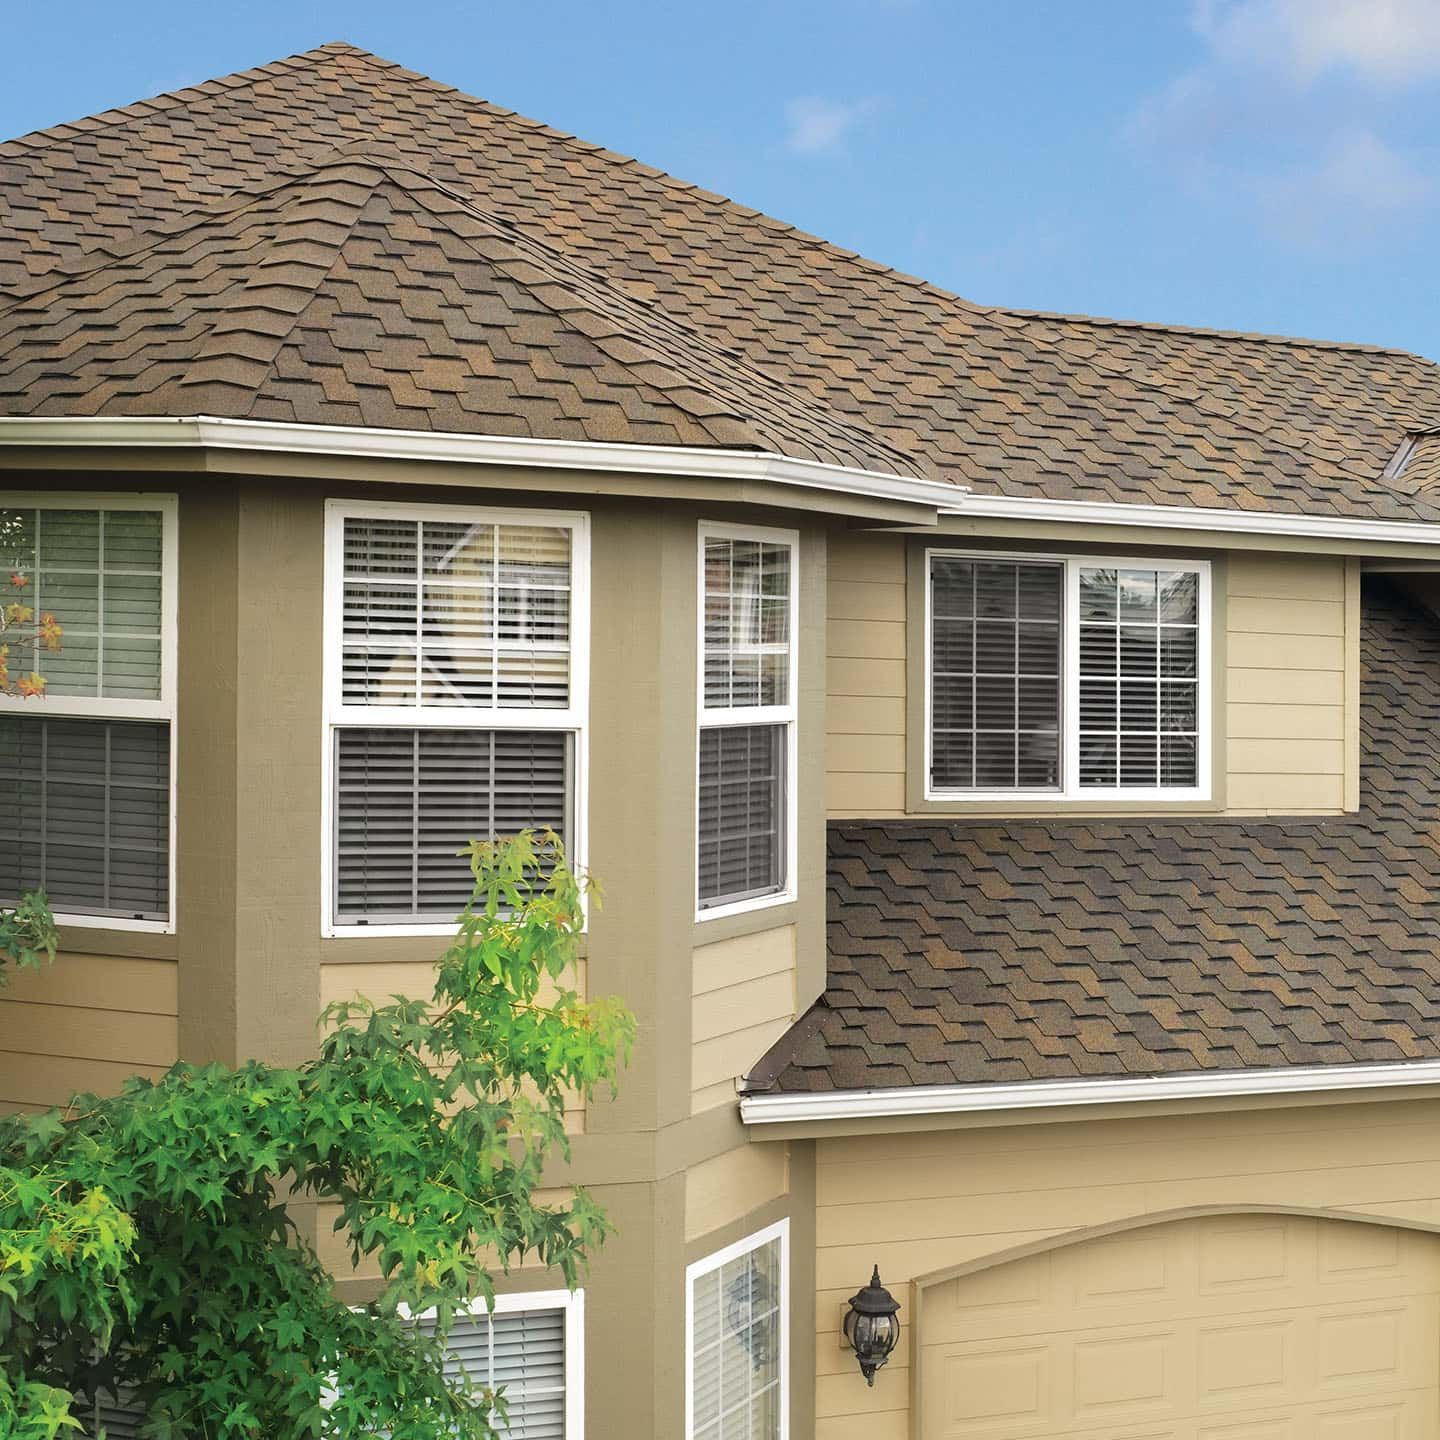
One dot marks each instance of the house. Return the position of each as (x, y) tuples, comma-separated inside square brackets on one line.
[(1007, 742)]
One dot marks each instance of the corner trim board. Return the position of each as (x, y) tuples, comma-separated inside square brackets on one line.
[(1038, 1094)]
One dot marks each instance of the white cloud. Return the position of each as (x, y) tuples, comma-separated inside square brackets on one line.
[(814, 125), (1383, 41), (1284, 118), (1358, 189)]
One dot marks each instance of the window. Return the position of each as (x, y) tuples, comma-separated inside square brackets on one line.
[(747, 692), (738, 1332), (534, 1346), (86, 769), (1075, 677), (456, 649)]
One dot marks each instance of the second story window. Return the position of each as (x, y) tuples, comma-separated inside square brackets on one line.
[(85, 767), (455, 691), (1080, 677), (747, 703)]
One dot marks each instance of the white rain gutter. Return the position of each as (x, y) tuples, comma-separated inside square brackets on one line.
[(1196, 517), (360, 442), (1038, 1094)]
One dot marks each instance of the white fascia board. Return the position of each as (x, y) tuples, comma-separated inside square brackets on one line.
[(359, 442), (1041, 1094), (1195, 517)]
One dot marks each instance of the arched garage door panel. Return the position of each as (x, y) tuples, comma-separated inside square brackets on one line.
[(1235, 1327)]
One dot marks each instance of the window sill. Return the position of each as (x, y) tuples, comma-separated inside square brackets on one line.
[(745, 907), (115, 922), (1068, 798)]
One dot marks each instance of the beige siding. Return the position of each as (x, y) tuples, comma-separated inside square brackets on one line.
[(726, 1188), (917, 1204), (742, 1001), (1288, 652), (865, 718), (84, 1023), (1291, 659)]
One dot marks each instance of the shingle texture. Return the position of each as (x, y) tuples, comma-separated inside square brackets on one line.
[(360, 292), (978, 952), (1054, 406)]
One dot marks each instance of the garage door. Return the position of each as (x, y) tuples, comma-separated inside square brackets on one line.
[(1253, 1327)]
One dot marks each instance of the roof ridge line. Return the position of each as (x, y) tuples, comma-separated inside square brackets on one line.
[(137, 242), (674, 182), (186, 96), (1262, 337), (568, 271)]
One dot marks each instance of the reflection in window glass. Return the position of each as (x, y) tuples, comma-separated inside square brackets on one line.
[(736, 1347)]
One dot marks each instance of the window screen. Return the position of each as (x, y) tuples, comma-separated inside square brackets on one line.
[(995, 674), (1139, 668), (742, 812), (84, 814), (736, 1348), (99, 573), (408, 800), (523, 1351)]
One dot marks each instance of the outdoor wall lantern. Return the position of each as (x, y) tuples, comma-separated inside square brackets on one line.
[(872, 1326)]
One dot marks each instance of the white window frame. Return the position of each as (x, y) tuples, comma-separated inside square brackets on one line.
[(1069, 791), (780, 1231), (336, 715), (787, 715), (94, 707), (572, 1302)]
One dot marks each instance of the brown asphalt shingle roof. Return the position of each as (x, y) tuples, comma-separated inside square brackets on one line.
[(976, 952), (1030, 405), (359, 292)]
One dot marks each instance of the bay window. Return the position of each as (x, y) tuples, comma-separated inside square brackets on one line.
[(1076, 677), (86, 766), (747, 709), (456, 664)]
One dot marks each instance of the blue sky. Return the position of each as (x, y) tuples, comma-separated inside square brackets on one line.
[(1249, 164)]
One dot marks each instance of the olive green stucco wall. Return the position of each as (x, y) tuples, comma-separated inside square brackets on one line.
[(252, 964)]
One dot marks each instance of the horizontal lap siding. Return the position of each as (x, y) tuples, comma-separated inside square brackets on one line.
[(918, 1203), (1288, 652), (84, 1023), (865, 669), (742, 1001)]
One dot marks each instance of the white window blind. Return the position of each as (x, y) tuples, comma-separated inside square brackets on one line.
[(85, 769), (747, 716), (455, 698), (524, 1351), (1066, 676), (1138, 668), (738, 1343)]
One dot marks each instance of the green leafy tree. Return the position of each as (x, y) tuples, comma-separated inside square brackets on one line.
[(150, 1243)]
